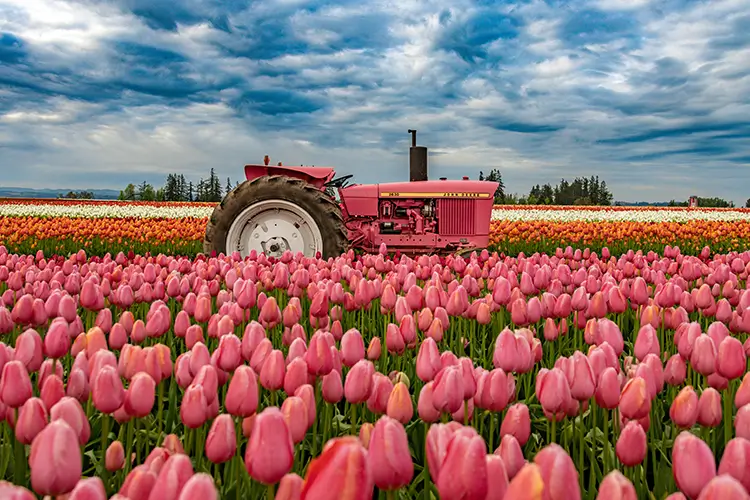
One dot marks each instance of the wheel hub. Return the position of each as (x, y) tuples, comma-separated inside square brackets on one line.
[(273, 227)]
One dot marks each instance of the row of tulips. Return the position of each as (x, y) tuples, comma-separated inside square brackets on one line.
[(64, 227), (554, 376)]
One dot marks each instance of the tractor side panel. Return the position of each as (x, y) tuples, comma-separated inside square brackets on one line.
[(360, 200)]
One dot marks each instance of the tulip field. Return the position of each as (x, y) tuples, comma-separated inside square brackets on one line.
[(593, 354), (175, 228)]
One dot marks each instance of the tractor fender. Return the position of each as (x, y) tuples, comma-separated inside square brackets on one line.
[(316, 176)]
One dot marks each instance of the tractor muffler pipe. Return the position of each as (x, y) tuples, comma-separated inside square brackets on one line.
[(417, 160)]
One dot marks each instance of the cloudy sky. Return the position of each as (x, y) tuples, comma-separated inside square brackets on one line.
[(652, 96)]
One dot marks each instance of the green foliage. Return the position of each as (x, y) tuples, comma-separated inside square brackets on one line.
[(706, 202), (495, 176), (76, 195), (177, 188)]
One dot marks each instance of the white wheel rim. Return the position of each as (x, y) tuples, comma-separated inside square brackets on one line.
[(272, 227)]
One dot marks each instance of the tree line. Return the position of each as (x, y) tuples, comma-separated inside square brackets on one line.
[(177, 188), (582, 191)]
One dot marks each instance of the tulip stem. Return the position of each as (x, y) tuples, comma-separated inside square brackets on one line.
[(105, 435), (270, 492), (20, 461), (727, 414), (606, 442), (391, 495)]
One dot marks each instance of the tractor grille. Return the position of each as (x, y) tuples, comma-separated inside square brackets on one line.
[(456, 217)]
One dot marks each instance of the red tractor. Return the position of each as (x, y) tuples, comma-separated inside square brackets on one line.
[(281, 208)]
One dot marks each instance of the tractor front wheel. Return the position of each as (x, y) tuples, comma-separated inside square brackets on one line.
[(272, 214)]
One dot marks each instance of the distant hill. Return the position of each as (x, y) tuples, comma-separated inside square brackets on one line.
[(641, 203), (16, 192)]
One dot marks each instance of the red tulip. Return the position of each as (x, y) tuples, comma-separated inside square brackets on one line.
[(341, 471), (55, 459), (693, 464), (389, 455), (270, 451), (52, 391)]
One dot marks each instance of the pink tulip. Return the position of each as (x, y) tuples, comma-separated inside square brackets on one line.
[(631, 446), (32, 418), (115, 457), (270, 451), (389, 455), (359, 382), (91, 488), (221, 442), (55, 459), (558, 473), (463, 473), (199, 487), (615, 486), (684, 409), (693, 464), (15, 384)]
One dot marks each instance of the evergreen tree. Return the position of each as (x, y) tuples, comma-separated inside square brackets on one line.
[(229, 186)]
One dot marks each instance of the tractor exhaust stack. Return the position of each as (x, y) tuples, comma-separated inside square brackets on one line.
[(417, 160)]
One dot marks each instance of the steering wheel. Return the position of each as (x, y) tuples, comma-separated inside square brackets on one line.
[(339, 181)]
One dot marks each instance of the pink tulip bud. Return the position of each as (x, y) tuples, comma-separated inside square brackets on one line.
[(684, 409), (517, 423), (115, 457), (389, 455), (15, 384), (463, 473), (270, 451), (341, 471), (558, 473), (723, 488), (359, 382), (221, 443), (199, 487), (615, 486), (290, 487), (693, 464), (709, 408), (90, 488), (55, 460), (631, 445), (32, 418), (106, 390), (512, 455), (139, 398), (400, 406), (332, 387), (70, 410)]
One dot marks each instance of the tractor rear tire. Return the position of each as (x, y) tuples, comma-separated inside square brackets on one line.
[(324, 212)]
